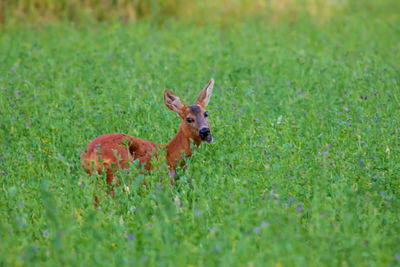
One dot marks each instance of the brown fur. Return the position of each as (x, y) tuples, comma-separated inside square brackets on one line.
[(109, 151)]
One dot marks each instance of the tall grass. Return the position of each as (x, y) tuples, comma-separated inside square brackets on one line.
[(197, 11)]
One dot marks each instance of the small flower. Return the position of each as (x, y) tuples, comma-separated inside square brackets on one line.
[(172, 173), (27, 125), (242, 199), (265, 224), (186, 166), (83, 185), (159, 187), (3, 173), (130, 237), (213, 229), (263, 197), (299, 206), (256, 229), (46, 233), (382, 192), (372, 157), (244, 155)]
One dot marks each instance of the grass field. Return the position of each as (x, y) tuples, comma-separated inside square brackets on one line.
[(304, 168)]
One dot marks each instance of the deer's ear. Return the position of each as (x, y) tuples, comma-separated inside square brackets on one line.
[(205, 94), (174, 103)]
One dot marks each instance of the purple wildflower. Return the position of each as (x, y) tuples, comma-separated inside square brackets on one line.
[(130, 237), (12, 69), (244, 155), (242, 199), (265, 224), (83, 185), (3, 173), (299, 206), (263, 197), (172, 173), (382, 192), (27, 125), (46, 233), (256, 229), (372, 157), (159, 187)]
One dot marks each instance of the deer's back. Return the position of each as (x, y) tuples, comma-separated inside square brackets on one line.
[(117, 150)]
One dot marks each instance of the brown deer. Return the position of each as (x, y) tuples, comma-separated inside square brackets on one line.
[(113, 151)]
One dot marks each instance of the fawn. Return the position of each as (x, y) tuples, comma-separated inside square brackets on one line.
[(113, 151)]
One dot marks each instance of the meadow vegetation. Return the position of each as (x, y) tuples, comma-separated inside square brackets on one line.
[(303, 171)]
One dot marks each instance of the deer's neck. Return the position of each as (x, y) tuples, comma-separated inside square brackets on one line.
[(178, 146)]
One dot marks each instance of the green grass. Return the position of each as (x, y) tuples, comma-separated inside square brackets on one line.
[(304, 170)]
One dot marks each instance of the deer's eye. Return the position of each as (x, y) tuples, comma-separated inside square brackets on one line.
[(190, 120), (205, 114)]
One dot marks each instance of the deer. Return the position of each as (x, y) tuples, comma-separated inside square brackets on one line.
[(110, 152)]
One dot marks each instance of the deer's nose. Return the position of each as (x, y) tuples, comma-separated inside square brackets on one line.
[(204, 132)]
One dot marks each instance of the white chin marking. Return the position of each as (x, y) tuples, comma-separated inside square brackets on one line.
[(210, 140)]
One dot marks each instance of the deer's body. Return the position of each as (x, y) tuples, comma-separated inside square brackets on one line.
[(114, 151)]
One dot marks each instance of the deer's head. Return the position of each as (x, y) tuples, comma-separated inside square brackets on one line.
[(195, 124)]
